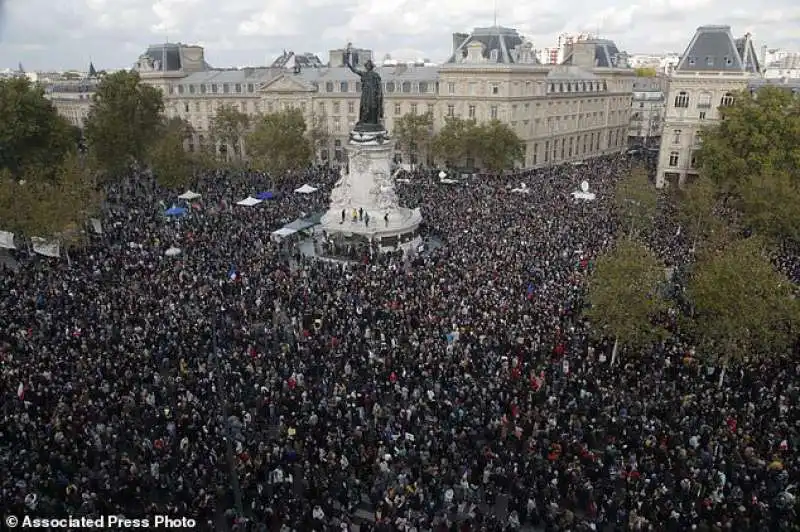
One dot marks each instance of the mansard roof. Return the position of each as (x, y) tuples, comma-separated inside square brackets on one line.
[(714, 49)]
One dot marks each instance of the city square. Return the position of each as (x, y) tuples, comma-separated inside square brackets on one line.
[(523, 288)]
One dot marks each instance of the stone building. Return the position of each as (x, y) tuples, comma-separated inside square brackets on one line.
[(647, 112), (713, 68), (72, 98)]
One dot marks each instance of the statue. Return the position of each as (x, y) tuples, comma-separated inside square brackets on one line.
[(371, 108), (145, 64)]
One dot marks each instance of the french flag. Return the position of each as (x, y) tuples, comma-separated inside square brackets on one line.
[(233, 275), (21, 392)]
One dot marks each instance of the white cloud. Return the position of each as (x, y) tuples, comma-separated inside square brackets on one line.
[(248, 31)]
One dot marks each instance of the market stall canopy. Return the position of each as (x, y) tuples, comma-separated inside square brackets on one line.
[(283, 232), (306, 189), (189, 195), (249, 201), (175, 211), (265, 195)]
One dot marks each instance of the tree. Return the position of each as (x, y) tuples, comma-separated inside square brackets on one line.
[(742, 306), (58, 206), (456, 141), (757, 134), (498, 147), (770, 205), (414, 133), (31, 131), (228, 127), (645, 72), (625, 295), (124, 119), (279, 144), (635, 202), (696, 203), (168, 158)]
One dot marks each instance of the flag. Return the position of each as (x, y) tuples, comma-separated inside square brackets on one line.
[(529, 291), (21, 392), (232, 273)]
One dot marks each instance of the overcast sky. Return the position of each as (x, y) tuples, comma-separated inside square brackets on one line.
[(62, 34)]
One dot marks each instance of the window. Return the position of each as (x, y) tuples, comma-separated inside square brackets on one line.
[(390, 86), (682, 100), (328, 86), (343, 87), (555, 149), (702, 115), (571, 143), (641, 106), (563, 145), (704, 100), (471, 113), (451, 87), (180, 89), (186, 108), (451, 110), (693, 160), (495, 89), (673, 158), (337, 123), (493, 112), (397, 110), (351, 107), (336, 108), (535, 153), (430, 108), (726, 100), (202, 89), (197, 107), (191, 89), (226, 88), (251, 87), (709, 61), (406, 87), (676, 136), (271, 107), (214, 88), (413, 108), (691, 61), (423, 87), (238, 88), (560, 87), (303, 106)]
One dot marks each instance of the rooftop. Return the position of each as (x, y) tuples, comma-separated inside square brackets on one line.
[(606, 54), (492, 45), (714, 49)]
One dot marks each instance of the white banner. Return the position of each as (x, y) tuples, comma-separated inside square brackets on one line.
[(7, 240), (47, 248)]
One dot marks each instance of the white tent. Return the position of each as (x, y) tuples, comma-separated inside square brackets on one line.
[(306, 189), (189, 195), (48, 248), (7, 240), (448, 181), (522, 189), (172, 252), (249, 201), (283, 232)]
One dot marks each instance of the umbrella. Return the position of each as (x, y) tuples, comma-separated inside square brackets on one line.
[(189, 195), (265, 196), (248, 202), (172, 252), (175, 211)]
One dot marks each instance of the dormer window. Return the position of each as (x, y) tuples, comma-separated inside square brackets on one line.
[(710, 61), (691, 61), (494, 55), (328, 86), (728, 61), (560, 87)]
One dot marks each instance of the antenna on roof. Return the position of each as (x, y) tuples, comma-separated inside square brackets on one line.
[(495, 13)]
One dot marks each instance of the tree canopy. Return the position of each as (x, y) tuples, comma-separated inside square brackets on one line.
[(696, 203), (624, 295), (172, 165), (645, 72), (229, 127), (278, 142), (123, 121), (635, 202), (742, 306), (493, 144), (414, 133), (32, 134)]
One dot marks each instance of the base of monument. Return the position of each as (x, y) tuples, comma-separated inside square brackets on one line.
[(369, 134), (398, 230)]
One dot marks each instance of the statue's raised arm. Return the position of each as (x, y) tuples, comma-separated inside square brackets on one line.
[(348, 61)]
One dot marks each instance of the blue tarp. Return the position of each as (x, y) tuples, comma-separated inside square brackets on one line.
[(265, 196), (175, 211)]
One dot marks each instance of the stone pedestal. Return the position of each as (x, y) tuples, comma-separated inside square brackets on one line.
[(364, 202)]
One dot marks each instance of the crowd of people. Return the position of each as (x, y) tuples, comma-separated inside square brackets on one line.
[(250, 387)]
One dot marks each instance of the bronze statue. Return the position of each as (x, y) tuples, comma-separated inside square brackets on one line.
[(371, 108)]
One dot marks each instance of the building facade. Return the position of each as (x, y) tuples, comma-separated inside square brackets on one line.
[(72, 98), (713, 68), (647, 111)]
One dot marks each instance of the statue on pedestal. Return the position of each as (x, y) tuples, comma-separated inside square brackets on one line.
[(371, 108)]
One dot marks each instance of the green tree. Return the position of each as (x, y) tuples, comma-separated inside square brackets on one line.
[(635, 202), (31, 131), (645, 72), (414, 134), (756, 135), (696, 203), (124, 119), (229, 127), (770, 205), (498, 147), (456, 141), (279, 143), (742, 307), (625, 295), (172, 165)]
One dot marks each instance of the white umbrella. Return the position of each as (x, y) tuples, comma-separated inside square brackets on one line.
[(189, 195), (172, 252), (249, 201)]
